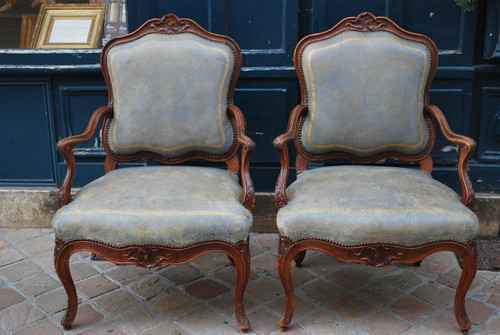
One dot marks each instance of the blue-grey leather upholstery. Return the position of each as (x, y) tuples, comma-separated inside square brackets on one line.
[(352, 205), (173, 206), (170, 95), (365, 94)]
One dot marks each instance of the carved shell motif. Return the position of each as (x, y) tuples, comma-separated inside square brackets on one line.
[(148, 257), (365, 21), (377, 256), (169, 24)]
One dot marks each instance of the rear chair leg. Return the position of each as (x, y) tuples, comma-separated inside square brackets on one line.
[(299, 258)]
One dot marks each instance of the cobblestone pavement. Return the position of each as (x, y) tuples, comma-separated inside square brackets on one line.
[(332, 298)]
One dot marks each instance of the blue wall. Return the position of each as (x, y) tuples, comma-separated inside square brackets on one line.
[(51, 94)]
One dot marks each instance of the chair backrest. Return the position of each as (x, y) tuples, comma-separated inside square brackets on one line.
[(365, 82), (170, 83)]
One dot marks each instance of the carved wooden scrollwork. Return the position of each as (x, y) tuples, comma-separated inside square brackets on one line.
[(148, 257), (365, 21), (243, 249), (283, 246), (467, 146), (279, 196), (280, 143), (472, 246), (378, 255), (169, 24), (59, 246)]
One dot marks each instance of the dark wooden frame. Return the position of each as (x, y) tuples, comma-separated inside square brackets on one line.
[(372, 254), (156, 255)]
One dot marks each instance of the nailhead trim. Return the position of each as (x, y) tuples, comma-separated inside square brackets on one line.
[(146, 244), (371, 243)]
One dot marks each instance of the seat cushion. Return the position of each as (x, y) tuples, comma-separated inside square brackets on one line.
[(353, 205), (173, 206)]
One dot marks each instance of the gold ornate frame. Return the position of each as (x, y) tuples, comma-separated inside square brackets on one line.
[(49, 14), (27, 29)]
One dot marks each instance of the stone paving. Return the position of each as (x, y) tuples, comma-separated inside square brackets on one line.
[(332, 298)]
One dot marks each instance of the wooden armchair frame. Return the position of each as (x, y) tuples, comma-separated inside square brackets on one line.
[(372, 254), (152, 255)]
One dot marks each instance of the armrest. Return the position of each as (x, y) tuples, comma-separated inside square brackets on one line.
[(280, 143), (65, 147), (467, 146), (248, 147)]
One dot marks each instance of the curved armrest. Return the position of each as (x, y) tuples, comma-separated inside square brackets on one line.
[(467, 146), (246, 153), (280, 143), (65, 147)]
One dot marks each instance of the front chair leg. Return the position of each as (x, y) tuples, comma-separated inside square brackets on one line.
[(285, 260), (62, 253), (241, 260), (469, 261)]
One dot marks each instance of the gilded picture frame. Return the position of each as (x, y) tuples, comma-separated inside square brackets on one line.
[(28, 25), (68, 26)]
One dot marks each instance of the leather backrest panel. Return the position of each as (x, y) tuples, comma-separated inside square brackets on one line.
[(365, 94), (170, 95)]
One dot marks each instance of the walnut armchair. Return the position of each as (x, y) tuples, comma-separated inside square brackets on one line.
[(365, 97), (170, 87)]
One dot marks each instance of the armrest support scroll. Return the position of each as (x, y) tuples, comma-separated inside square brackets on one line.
[(248, 147), (467, 146), (65, 147), (280, 143)]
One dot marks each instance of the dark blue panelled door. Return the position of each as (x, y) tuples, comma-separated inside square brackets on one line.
[(267, 32), (452, 28), (65, 87)]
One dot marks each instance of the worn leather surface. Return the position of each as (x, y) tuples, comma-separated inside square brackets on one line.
[(172, 206), (365, 94), (170, 95), (367, 204)]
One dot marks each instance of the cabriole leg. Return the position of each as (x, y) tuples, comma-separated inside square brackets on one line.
[(285, 260), (469, 261), (61, 261), (241, 260)]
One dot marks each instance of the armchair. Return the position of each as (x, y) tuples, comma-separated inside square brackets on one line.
[(365, 97), (170, 87)]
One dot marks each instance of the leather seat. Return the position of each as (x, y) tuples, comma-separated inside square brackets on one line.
[(163, 205), (352, 205)]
